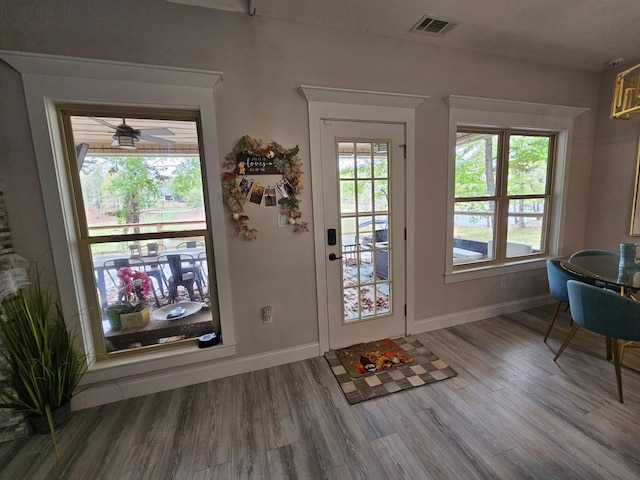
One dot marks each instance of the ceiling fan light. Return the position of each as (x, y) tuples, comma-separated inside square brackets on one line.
[(124, 142)]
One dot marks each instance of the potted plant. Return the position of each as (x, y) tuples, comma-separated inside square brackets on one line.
[(134, 311), (43, 366)]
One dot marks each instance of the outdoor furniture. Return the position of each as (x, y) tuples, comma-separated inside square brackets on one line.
[(202, 261), (179, 277), (153, 248), (461, 255)]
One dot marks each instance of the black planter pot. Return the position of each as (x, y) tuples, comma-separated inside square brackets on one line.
[(60, 416)]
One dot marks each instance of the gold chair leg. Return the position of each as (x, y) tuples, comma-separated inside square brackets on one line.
[(616, 361), (551, 322), (566, 342), (623, 349)]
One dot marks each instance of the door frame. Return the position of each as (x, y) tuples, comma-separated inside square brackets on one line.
[(364, 106)]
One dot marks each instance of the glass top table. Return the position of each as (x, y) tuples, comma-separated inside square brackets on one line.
[(605, 269)]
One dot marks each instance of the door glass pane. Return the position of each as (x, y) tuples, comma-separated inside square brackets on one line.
[(364, 160), (526, 228), (528, 158), (474, 231), (476, 160), (348, 196), (346, 160), (380, 160), (364, 196), (381, 195), (366, 247)]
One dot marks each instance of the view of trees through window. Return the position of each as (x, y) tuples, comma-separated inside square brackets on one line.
[(143, 229), (502, 191), (135, 194)]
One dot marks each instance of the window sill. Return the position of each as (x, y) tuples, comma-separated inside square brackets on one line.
[(124, 366), (473, 272)]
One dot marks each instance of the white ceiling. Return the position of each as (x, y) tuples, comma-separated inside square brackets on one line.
[(583, 34)]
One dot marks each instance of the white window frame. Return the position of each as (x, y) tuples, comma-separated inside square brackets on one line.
[(52, 80), (492, 113)]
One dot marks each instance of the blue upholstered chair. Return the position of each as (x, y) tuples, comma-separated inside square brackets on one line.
[(558, 278), (607, 313)]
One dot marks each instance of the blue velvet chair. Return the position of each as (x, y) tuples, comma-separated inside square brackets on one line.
[(607, 313), (558, 278)]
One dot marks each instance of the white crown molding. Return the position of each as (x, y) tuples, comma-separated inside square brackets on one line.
[(61, 66), (463, 102), (360, 97)]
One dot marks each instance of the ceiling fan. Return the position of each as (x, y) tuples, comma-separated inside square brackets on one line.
[(126, 136)]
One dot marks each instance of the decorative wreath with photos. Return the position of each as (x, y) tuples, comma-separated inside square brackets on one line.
[(236, 189)]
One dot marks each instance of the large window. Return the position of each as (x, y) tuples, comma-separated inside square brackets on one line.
[(507, 185), (503, 192), (142, 225)]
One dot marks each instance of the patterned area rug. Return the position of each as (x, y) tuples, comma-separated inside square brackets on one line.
[(425, 368), (370, 357)]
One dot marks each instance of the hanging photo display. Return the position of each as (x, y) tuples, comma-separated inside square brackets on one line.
[(250, 157), (270, 197)]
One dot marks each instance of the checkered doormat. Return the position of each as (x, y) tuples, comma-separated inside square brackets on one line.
[(426, 368)]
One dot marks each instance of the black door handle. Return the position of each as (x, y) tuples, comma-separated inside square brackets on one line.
[(332, 257)]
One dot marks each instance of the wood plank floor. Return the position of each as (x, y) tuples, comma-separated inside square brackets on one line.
[(511, 413)]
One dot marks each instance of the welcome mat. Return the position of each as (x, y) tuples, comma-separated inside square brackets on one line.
[(426, 368), (365, 358)]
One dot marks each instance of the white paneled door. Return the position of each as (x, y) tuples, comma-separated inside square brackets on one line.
[(363, 188)]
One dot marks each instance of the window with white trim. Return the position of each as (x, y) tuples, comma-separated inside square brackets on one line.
[(111, 90), (502, 194), (506, 186), (143, 229)]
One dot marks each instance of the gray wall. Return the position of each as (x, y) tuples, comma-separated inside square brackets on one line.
[(613, 174), (264, 61)]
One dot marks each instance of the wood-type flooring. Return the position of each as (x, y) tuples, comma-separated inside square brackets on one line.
[(511, 413)]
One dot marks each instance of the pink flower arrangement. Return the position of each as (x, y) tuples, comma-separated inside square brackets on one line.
[(134, 283)]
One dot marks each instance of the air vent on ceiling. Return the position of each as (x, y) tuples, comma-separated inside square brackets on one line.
[(434, 26)]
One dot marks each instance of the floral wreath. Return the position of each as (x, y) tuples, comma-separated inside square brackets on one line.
[(286, 161)]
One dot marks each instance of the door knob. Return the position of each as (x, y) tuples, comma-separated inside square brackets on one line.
[(332, 257)]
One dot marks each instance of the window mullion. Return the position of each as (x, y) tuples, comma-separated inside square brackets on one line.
[(502, 203)]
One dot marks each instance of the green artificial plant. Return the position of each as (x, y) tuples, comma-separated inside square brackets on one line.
[(43, 366)]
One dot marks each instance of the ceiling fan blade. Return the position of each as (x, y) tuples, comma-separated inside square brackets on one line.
[(103, 122), (159, 140), (156, 131)]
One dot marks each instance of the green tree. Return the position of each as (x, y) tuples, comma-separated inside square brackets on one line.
[(133, 184), (475, 175), (187, 182), (528, 159)]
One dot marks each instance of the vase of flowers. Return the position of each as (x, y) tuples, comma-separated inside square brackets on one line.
[(133, 312)]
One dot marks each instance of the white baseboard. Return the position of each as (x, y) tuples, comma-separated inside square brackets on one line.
[(468, 316), (116, 389), (152, 382)]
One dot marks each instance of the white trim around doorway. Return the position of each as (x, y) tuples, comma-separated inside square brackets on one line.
[(365, 106)]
